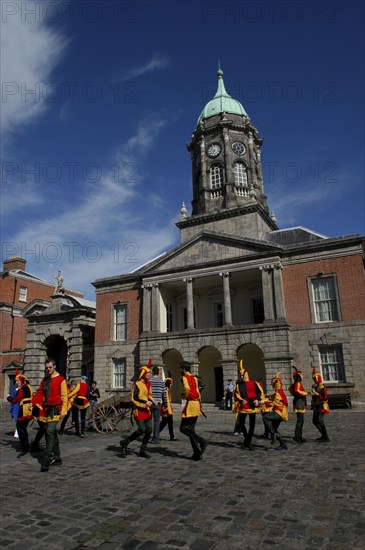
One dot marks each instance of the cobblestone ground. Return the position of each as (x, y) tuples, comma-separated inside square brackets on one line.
[(310, 496)]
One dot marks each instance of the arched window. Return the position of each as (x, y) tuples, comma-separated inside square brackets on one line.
[(216, 176), (240, 174)]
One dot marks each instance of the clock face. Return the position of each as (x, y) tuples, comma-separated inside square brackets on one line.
[(214, 150), (238, 148)]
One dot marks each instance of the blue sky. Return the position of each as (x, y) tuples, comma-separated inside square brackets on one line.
[(99, 100)]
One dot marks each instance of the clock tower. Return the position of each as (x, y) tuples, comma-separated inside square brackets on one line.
[(226, 171)]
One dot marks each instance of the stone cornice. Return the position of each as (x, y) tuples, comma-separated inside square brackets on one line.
[(224, 214)]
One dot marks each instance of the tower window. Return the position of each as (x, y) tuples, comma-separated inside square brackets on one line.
[(216, 176), (240, 174)]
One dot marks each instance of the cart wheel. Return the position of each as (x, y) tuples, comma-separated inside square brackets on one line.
[(104, 418), (124, 420)]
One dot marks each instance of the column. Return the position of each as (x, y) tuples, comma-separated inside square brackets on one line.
[(146, 321), (267, 292), (155, 307), (189, 302), (278, 292), (203, 165), (227, 298), (253, 181)]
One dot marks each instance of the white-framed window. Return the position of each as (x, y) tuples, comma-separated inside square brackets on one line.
[(169, 318), (218, 314), (120, 322), (119, 373), (216, 176), (240, 174), (325, 299), (331, 362), (23, 291), (258, 312)]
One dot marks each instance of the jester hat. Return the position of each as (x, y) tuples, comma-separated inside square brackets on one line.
[(297, 373), (21, 377), (243, 371), (276, 382), (316, 376), (145, 369)]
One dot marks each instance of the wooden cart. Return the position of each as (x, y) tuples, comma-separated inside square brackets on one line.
[(114, 413)]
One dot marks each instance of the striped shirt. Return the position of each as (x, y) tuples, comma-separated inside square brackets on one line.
[(158, 390)]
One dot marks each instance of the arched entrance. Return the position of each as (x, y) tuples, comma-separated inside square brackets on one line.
[(210, 369), (171, 360), (253, 361), (56, 348)]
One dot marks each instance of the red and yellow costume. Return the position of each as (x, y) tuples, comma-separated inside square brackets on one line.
[(141, 393), (141, 398), (299, 404), (279, 411), (79, 396), (247, 396), (24, 398), (167, 412), (191, 411), (191, 393), (56, 404), (320, 405)]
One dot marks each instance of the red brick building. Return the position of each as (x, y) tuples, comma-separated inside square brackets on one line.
[(18, 289)]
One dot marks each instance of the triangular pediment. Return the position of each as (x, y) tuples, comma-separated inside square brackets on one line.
[(210, 247)]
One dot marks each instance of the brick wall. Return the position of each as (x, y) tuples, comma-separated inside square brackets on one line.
[(104, 314), (351, 287)]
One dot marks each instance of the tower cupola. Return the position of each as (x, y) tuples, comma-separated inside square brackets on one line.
[(227, 177)]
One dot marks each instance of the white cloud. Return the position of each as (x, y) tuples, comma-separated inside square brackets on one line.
[(100, 235), (156, 63), (29, 52)]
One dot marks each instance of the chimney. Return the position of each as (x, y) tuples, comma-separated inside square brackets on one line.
[(14, 262)]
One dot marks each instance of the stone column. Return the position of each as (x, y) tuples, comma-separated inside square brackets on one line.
[(203, 165), (267, 292), (155, 306), (253, 181), (227, 298), (146, 321), (189, 302), (230, 370), (278, 292)]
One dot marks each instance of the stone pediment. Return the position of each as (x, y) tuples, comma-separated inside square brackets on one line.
[(211, 247)]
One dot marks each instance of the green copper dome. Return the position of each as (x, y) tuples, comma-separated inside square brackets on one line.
[(222, 102)]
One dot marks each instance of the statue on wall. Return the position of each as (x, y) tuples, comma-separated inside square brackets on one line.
[(59, 289)]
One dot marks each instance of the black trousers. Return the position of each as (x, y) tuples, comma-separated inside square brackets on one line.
[(187, 427), (252, 421), (76, 419), (318, 421), (144, 428), (169, 421), (298, 434), (21, 426)]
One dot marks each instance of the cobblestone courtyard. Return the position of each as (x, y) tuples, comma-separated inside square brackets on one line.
[(310, 496)]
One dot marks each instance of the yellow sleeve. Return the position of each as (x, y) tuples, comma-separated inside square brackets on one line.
[(64, 397), (185, 388)]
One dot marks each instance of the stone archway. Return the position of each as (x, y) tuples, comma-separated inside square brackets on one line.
[(171, 359), (253, 361), (56, 348), (210, 369)]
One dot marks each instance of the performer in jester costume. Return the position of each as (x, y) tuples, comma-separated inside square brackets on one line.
[(142, 400), (22, 397), (247, 397), (192, 410), (299, 404), (279, 413), (320, 406)]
